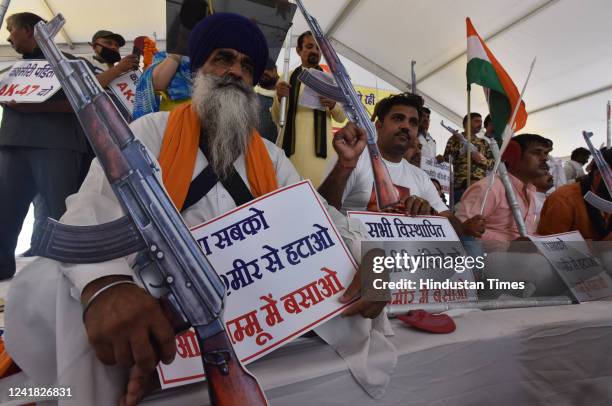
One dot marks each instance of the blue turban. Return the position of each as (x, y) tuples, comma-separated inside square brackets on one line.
[(228, 30)]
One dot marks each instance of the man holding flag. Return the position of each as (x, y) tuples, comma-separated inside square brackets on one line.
[(525, 163)]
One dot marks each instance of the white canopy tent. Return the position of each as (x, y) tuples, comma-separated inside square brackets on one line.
[(567, 93)]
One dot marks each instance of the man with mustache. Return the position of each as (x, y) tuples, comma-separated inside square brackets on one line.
[(481, 161), (350, 184), (525, 159), (307, 135), (566, 210), (126, 327)]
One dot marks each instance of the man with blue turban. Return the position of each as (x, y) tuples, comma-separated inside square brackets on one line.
[(126, 332)]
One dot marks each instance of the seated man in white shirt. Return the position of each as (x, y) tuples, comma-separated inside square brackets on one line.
[(428, 144), (350, 184), (574, 167), (108, 351)]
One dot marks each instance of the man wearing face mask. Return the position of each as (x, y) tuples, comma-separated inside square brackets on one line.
[(107, 59), (266, 89)]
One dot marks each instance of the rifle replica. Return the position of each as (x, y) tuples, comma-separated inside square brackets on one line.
[(343, 92), (606, 175), (170, 264), (464, 142)]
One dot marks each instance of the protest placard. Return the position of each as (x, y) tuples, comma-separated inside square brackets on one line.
[(571, 257), (124, 88), (29, 81), (437, 170), (426, 261), (280, 281)]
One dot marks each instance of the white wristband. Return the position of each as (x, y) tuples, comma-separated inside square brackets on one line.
[(102, 290)]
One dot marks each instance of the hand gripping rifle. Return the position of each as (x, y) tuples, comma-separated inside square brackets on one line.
[(343, 92), (606, 175), (463, 141), (170, 263)]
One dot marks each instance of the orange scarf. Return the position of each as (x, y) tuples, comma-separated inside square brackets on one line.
[(180, 147)]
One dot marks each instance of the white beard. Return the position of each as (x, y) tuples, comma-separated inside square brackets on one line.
[(228, 111)]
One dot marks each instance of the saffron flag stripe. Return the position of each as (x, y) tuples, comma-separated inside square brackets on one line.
[(484, 69)]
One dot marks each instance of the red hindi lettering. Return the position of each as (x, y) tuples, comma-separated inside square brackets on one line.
[(187, 345)]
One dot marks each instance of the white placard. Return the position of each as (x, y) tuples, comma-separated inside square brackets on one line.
[(418, 238), (437, 170), (29, 81), (284, 265), (569, 254), (399, 227), (124, 88), (311, 99)]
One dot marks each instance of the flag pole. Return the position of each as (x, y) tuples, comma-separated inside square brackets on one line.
[(506, 136), (469, 139)]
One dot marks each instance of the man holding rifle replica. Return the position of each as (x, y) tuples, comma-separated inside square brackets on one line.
[(214, 136)]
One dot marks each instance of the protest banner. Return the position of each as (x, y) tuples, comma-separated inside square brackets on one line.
[(29, 81), (124, 88), (571, 257), (280, 281), (429, 263), (437, 170)]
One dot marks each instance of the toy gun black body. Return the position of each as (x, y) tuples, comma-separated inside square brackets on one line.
[(170, 262), (606, 175), (344, 92)]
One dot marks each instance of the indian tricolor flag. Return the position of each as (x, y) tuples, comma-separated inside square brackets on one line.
[(501, 93)]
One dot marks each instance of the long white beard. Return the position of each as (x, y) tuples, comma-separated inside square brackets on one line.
[(228, 110)]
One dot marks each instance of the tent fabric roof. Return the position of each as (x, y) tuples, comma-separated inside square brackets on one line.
[(567, 92)]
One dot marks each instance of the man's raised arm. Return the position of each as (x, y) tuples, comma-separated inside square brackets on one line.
[(349, 144)]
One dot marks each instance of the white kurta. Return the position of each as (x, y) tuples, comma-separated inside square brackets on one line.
[(46, 336)]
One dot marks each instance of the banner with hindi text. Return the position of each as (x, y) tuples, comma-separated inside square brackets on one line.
[(571, 257), (280, 281), (427, 262), (29, 81)]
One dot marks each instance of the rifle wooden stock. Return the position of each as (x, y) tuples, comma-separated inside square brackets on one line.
[(229, 384)]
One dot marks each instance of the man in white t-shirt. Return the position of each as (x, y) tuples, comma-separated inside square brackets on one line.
[(574, 167), (350, 183), (428, 144)]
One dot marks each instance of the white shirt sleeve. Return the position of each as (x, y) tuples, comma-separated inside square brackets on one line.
[(429, 192), (95, 203)]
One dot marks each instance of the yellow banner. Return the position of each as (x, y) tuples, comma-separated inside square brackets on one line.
[(369, 96)]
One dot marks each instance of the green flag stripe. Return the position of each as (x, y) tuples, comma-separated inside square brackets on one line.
[(482, 73), (499, 106)]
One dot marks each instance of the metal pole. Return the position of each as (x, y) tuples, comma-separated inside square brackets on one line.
[(394, 310), (413, 77), (283, 103)]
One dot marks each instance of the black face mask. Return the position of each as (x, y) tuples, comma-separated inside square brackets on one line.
[(109, 56), (268, 83)]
